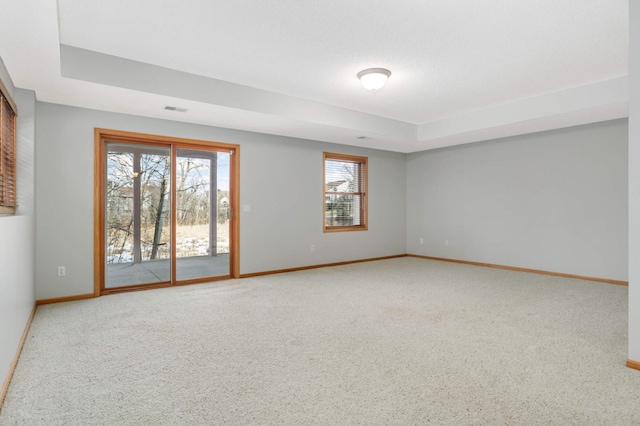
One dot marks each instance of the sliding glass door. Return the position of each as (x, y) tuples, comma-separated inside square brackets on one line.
[(202, 221), (138, 216), (165, 213)]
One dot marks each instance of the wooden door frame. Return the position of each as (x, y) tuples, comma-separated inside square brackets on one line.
[(101, 136)]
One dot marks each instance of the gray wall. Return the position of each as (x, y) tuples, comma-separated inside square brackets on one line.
[(17, 242), (555, 201), (280, 178)]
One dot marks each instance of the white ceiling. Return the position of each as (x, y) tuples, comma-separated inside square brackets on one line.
[(462, 70)]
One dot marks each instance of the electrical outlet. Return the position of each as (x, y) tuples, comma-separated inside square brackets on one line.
[(421, 240), (313, 247), (446, 243), (62, 271)]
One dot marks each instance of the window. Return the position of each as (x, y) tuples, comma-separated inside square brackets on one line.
[(7, 152), (345, 193)]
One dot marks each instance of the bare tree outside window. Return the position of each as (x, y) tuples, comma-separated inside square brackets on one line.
[(193, 205), (153, 176)]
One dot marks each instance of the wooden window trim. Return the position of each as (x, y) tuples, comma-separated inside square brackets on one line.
[(5, 92), (363, 193), (8, 206)]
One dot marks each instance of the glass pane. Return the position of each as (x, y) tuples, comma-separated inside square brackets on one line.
[(342, 201), (202, 233), (138, 223), (341, 176), (342, 210)]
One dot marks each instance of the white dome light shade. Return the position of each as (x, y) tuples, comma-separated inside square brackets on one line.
[(374, 78)]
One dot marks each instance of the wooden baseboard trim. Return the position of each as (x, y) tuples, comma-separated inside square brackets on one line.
[(633, 364), (323, 265), (513, 268), (65, 299), (14, 363)]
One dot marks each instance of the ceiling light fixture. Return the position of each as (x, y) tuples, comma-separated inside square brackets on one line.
[(374, 78)]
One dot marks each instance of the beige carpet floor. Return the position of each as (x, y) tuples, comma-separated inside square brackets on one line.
[(400, 341)]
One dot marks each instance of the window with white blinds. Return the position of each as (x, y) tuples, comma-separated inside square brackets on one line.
[(7, 153), (345, 192)]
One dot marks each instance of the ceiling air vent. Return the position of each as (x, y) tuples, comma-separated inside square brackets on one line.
[(176, 109)]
